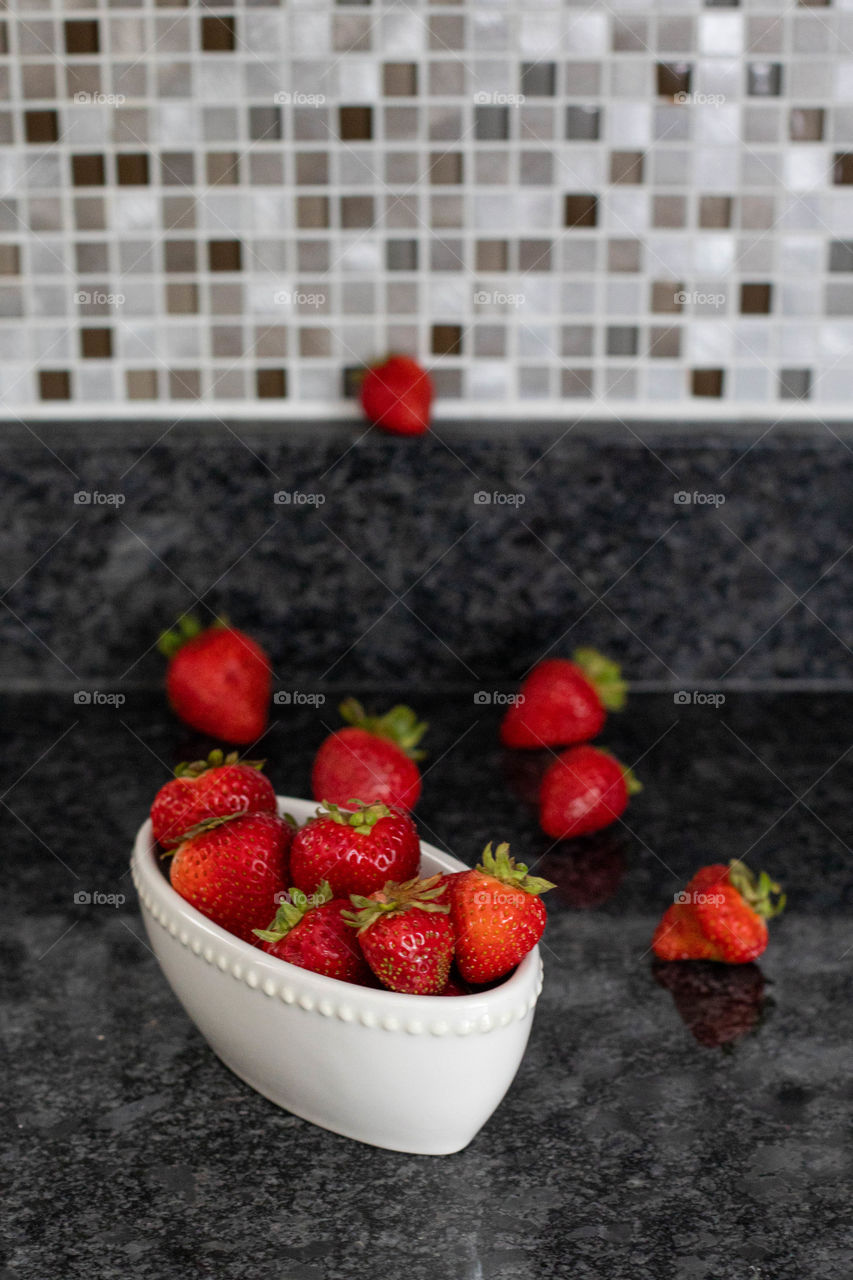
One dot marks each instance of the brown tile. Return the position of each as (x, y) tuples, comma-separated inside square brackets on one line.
[(224, 255), (223, 168), (842, 169), (673, 78), (755, 299), (624, 255), (757, 213), (218, 34), (265, 170), (355, 124), (357, 211), (132, 169), (88, 171), (264, 124), (177, 168), (401, 123), (492, 255), (96, 344), (270, 343), (41, 126), (446, 79), (400, 79), (446, 31), (226, 340), (666, 297), (184, 384), (82, 77), (664, 344), (715, 211), (179, 213), (180, 255), (226, 299), (352, 33), (706, 382), (54, 384), (312, 212), (446, 340), (445, 168), (141, 384), (10, 260), (312, 168), (182, 299), (37, 81), (576, 384), (490, 340), (580, 210), (805, 124), (669, 211), (90, 257), (271, 384), (626, 167), (401, 255), (447, 255), (82, 36), (534, 255), (315, 344)]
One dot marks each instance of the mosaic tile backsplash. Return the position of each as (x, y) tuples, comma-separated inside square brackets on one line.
[(621, 207)]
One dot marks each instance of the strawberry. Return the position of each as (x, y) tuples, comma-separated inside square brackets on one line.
[(230, 869), (218, 680), (584, 790), (356, 849), (312, 933), (497, 914), (564, 702), (375, 758), (721, 915), (210, 788), (718, 1005), (406, 935), (455, 986), (396, 395)]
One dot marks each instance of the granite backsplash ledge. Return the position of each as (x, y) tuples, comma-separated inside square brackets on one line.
[(456, 559)]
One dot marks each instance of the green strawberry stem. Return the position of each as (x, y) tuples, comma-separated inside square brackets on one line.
[(758, 894), (360, 816), (187, 628), (291, 911), (604, 675), (394, 898), (400, 725), (210, 824), (215, 760), (499, 864)]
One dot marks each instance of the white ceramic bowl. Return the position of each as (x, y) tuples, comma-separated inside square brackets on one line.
[(410, 1073)]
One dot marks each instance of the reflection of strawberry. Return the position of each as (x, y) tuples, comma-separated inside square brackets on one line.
[(356, 849), (396, 395), (210, 788), (721, 915), (312, 933), (406, 935), (718, 1003), (232, 869), (218, 680), (564, 702), (588, 874), (584, 790), (374, 758)]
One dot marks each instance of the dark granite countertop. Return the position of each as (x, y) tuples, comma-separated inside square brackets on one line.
[(625, 1149)]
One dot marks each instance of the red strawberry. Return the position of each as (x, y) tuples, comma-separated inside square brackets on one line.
[(396, 395), (232, 869), (406, 935), (498, 915), (356, 849), (211, 788), (218, 680), (563, 702), (312, 933), (456, 986), (584, 790), (721, 915), (374, 759), (718, 1004)]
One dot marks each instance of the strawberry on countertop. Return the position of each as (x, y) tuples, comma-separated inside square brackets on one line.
[(396, 395), (356, 849), (231, 870), (211, 788), (218, 680), (406, 935), (562, 702), (374, 758), (584, 790), (310, 931), (721, 915), (497, 914)]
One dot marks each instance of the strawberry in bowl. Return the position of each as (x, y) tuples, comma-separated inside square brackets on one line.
[(355, 849)]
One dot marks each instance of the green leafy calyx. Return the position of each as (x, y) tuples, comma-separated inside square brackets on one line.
[(360, 816), (395, 898), (604, 675), (400, 725), (763, 895), (292, 909), (498, 863), (215, 760)]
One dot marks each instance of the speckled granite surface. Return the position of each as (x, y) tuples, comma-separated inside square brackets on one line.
[(624, 1150), (400, 573)]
